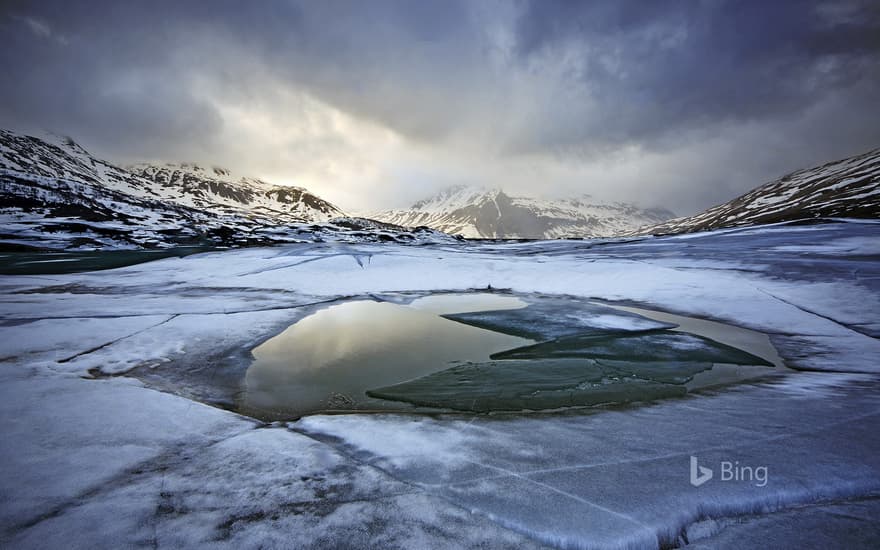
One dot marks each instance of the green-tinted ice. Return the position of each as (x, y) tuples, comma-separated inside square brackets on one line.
[(542, 384), (646, 346)]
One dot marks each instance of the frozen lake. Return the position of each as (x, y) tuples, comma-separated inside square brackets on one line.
[(328, 360), (564, 409), (488, 352)]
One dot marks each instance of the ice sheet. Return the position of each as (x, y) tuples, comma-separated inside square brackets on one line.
[(109, 462), (546, 318)]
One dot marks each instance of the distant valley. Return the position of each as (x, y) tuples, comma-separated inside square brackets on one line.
[(58, 196)]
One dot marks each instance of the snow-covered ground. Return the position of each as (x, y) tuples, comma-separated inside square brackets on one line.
[(91, 457)]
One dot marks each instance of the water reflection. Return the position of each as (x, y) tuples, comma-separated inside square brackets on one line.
[(329, 359)]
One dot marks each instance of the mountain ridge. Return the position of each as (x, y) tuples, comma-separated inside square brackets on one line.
[(58, 196), (845, 188), (476, 212), (193, 185)]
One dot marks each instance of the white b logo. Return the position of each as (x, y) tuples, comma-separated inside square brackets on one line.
[(699, 474)]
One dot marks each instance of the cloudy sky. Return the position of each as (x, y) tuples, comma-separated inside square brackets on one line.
[(375, 104)]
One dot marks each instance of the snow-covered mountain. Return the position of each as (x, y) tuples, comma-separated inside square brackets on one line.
[(479, 213), (848, 188), (56, 195), (217, 190)]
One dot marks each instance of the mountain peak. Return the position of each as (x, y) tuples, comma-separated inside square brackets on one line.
[(47, 137), (219, 188), (457, 196), (180, 170), (212, 172), (479, 212)]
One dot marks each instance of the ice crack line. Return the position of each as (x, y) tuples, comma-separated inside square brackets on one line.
[(359, 258), (778, 437), (509, 473), (417, 487), (110, 343), (196, 312), (805, 310), (292, 264), (160, 463)]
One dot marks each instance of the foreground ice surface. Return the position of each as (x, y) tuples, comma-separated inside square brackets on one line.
[(112, 462), (620, 478)]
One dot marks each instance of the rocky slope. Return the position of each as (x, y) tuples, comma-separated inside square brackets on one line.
[(848, 188), (216, 189)]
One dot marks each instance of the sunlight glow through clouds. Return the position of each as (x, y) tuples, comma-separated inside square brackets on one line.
[(303, 141)]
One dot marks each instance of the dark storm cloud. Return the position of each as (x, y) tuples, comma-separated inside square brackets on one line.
[(81, 72), (571, 83), (380, 60), (660, 67)]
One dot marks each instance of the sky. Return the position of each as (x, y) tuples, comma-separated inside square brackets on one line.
[(372, 105)]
